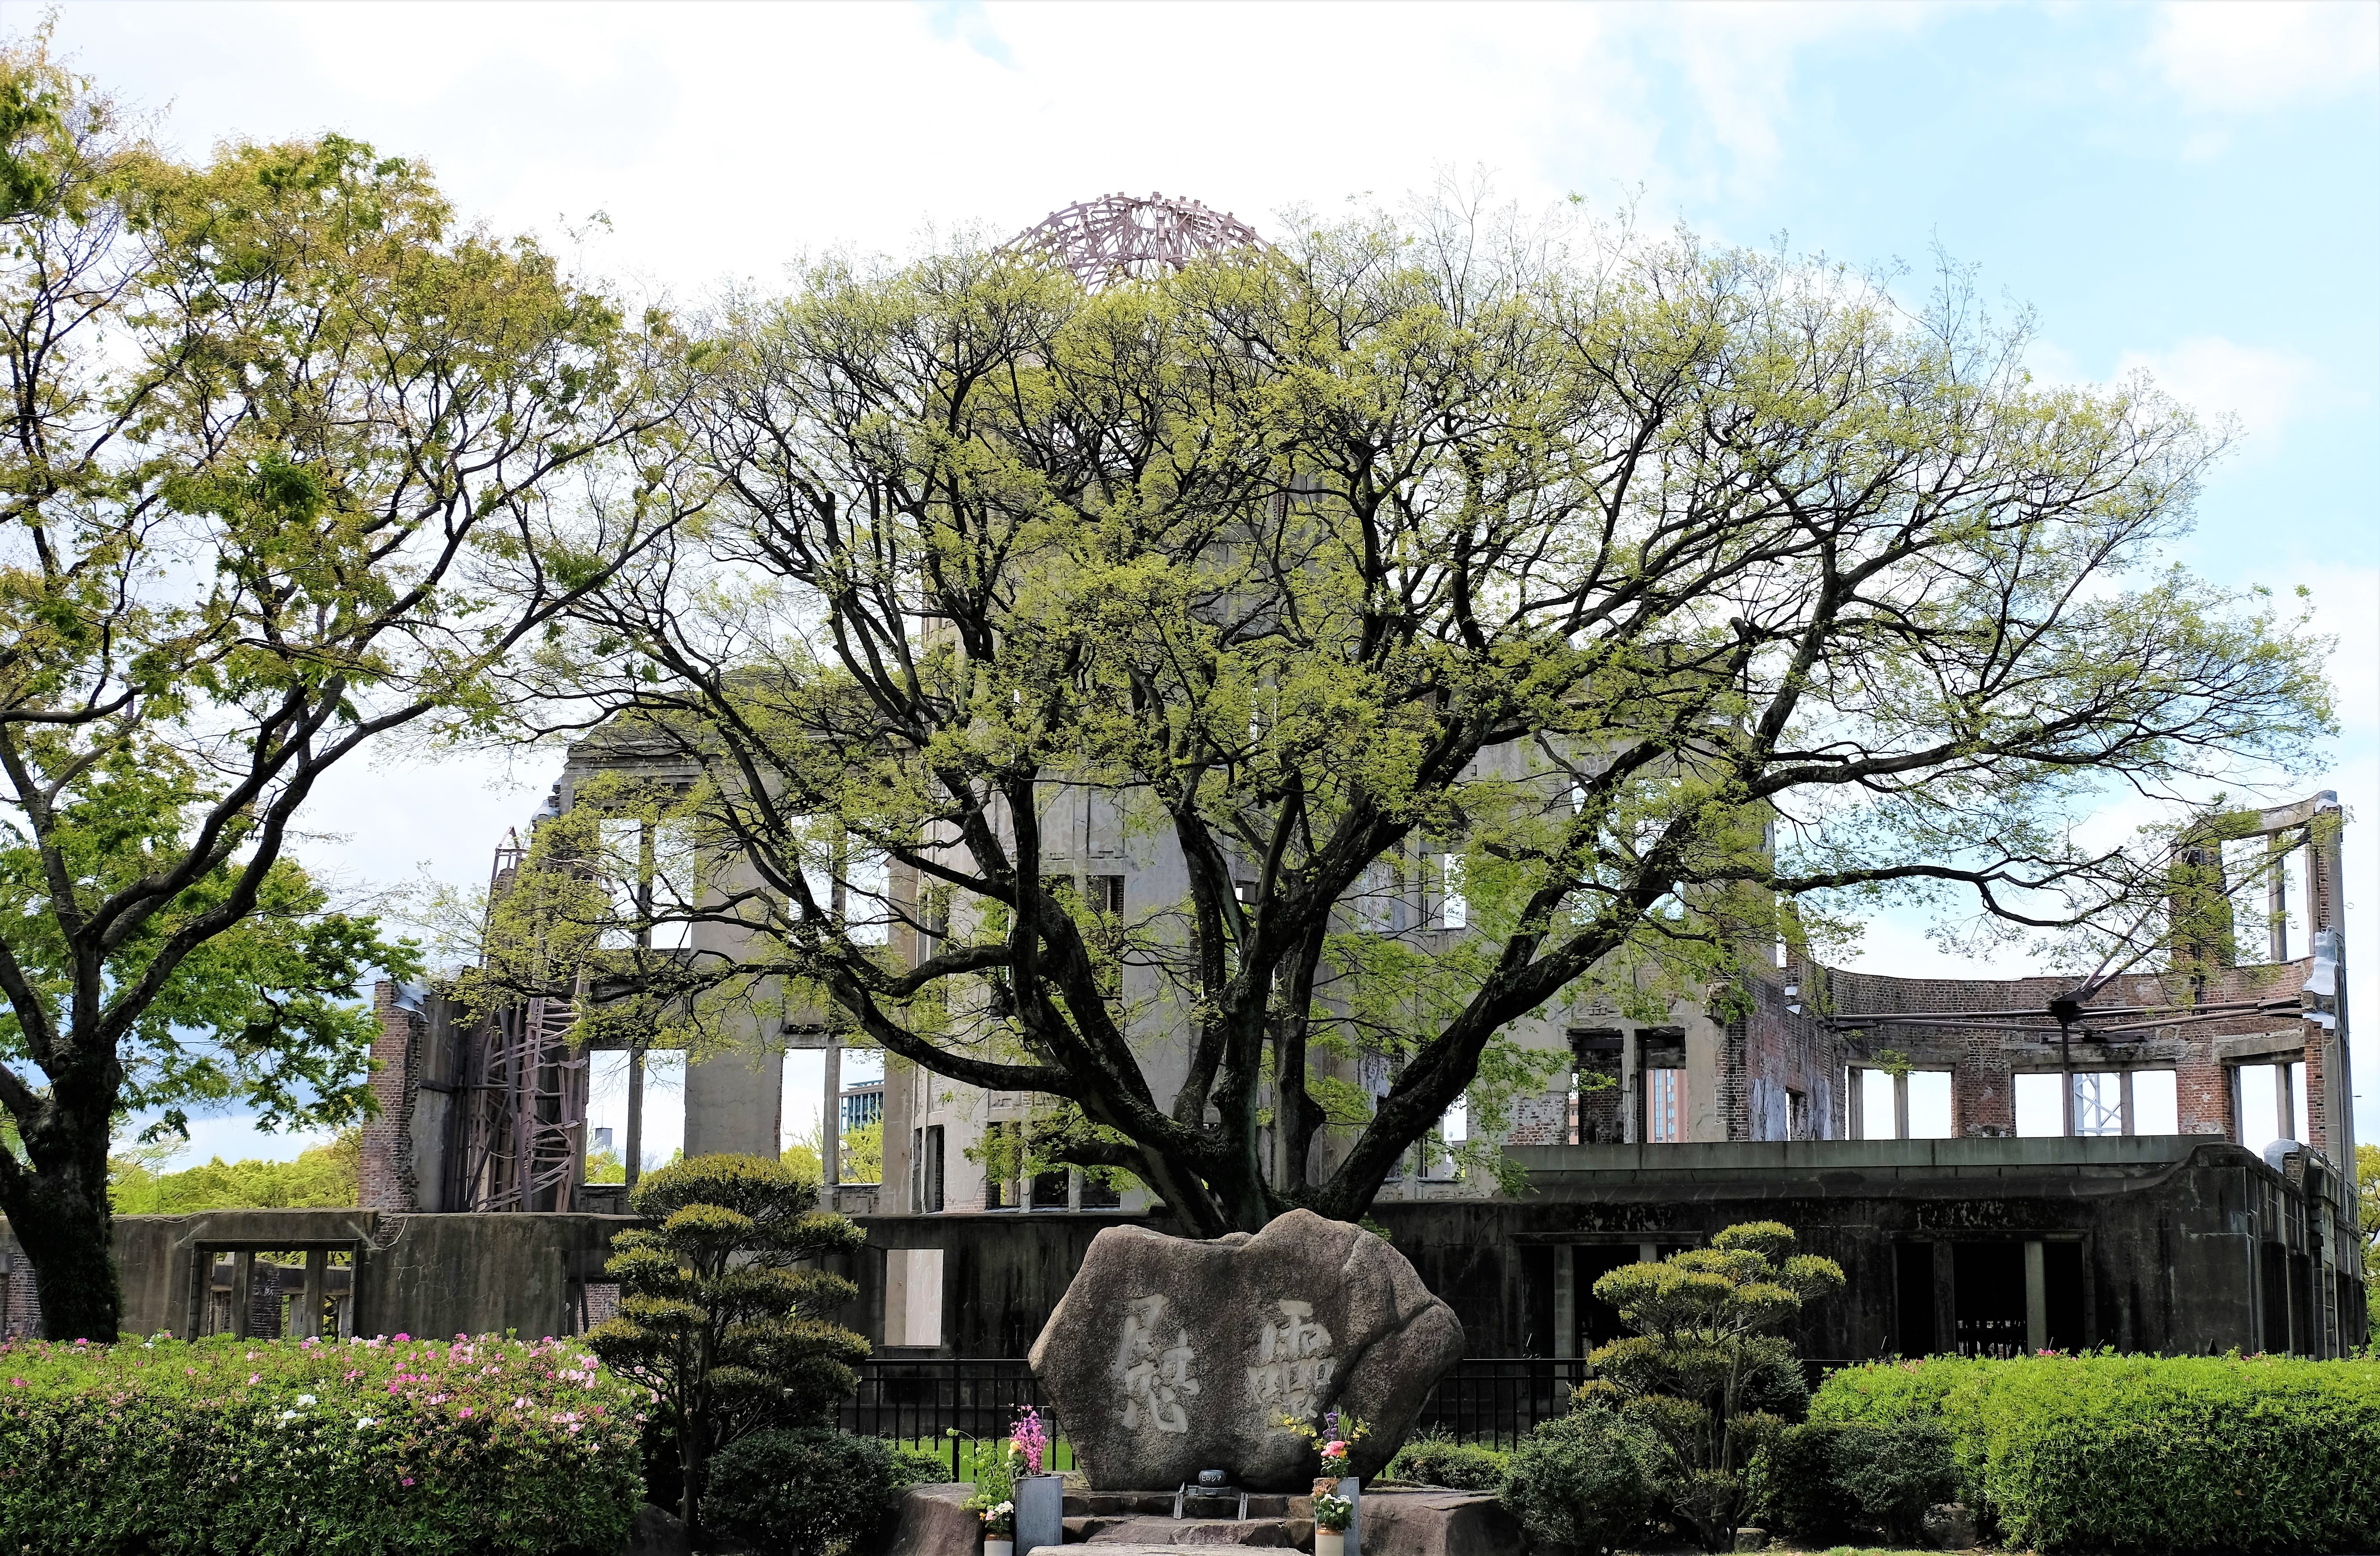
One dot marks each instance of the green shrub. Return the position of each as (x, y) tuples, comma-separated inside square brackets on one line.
[(1582, 1480), (919, 1467), (1891, 1473), (805, 1491), (2123, 1454), (1443, 1460), (1797, 1489), (358, 1447)]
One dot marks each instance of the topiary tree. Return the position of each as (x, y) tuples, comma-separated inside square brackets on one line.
[(716, 1315), (1707, 1358)]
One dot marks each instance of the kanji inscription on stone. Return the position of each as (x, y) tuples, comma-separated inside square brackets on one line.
[(1293, 1366), (1156, 1376)]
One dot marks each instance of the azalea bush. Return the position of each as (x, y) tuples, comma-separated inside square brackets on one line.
[(315, 1448)]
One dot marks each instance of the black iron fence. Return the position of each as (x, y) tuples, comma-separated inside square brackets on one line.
[(949, 1405), (1496, 1399)]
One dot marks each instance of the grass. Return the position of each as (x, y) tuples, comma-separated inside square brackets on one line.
[(1060, 1460)]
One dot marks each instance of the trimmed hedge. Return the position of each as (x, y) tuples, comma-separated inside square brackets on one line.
[(315, 1449), (1443, 1460), (2110, 1453)]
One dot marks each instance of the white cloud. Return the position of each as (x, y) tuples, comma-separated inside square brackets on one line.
[(724, 140), (2229, 57), (2216, 377)]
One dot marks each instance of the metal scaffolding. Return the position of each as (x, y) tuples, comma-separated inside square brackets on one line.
[(522, 1098)]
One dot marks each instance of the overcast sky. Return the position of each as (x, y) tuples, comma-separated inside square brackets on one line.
[(2189, 189)]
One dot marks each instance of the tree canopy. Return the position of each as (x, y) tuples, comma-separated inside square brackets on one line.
[(282, 476), (1479, 615)]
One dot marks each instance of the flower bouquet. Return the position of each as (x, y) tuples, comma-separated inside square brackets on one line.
[(1332, 1514), (995, 1490), (1334, 1437)]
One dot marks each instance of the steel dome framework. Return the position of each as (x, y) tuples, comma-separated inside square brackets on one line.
[(1121, 237)]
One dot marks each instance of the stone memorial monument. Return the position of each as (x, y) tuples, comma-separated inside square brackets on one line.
[(1167, 1356)]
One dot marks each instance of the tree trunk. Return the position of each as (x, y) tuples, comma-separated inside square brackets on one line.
[(689, 1472), (59, 1213)]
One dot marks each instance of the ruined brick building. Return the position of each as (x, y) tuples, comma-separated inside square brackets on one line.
[(2164, 1164)]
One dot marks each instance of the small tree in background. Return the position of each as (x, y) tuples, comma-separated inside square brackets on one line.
[(716, 1317), (1706, 1356)]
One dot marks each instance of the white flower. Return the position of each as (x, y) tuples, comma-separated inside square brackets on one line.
[(363, 1421), (305, 1399), (289, 1414)]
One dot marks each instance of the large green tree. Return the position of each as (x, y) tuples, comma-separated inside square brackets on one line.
[(282, 474), (1615, 590)]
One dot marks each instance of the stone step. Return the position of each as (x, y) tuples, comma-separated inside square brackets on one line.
[(1159, 1504), (1169, 1550), (1270, 1534)]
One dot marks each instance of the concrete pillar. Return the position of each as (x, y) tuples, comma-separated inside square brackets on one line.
[(1632, 1088), (2036, 1298), (831, 1118), (633, 1151), (309, 1301), (1565, 1300), (243, 1291)]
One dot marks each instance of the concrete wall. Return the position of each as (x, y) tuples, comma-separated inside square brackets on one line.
[(425, 1274), (2170, 1234)]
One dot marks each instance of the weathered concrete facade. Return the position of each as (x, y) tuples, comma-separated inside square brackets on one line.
[(2149, 1244), (416, 1275)]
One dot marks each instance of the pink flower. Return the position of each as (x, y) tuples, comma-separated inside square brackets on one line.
[(467, 1412), (407, 1481), (401, 1340), (1334, 1449), (253, 1379), (18, 1383)]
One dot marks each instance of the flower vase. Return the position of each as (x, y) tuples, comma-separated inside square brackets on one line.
[(1041, 1511), (998, 1547), (1329, 1542)]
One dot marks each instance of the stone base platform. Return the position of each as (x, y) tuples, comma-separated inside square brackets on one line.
[(934, 1521)]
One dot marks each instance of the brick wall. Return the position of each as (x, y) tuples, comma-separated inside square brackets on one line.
[(1541, 1120), (387, 1168)]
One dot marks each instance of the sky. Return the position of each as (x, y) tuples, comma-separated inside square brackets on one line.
[(2188, 190)]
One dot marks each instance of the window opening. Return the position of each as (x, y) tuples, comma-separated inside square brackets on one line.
[(1665, 1106), (2157, 1102), (1454, 909), (1929, 1104), (2098, 1103), (931, 1174), (2270, 1104)]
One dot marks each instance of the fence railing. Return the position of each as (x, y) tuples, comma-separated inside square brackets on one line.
[(1496, 1399), (949, 1403)]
